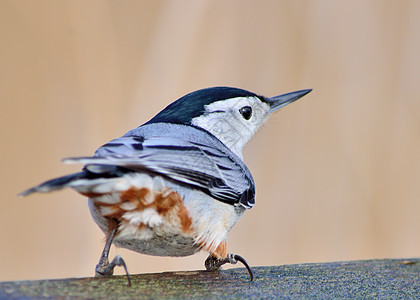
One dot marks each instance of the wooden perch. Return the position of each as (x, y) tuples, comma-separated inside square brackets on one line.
[(389, 278)]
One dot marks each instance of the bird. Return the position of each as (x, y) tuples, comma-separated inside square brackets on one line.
[(177, 184)]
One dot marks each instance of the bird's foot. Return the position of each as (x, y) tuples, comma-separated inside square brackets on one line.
[(213, 263), (105, 269)]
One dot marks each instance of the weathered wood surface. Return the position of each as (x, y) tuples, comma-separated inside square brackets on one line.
[(388, 279)]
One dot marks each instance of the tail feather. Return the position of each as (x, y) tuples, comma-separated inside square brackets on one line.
[(54, 184)]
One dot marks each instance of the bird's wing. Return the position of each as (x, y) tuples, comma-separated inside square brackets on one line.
[(207, 168)]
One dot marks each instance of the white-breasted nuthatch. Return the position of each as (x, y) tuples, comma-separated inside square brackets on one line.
[(177, 184)]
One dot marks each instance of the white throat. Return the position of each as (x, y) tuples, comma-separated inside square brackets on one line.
[(224, 121), (228, 135)]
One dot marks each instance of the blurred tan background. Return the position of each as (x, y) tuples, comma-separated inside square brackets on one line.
[(337, 173)]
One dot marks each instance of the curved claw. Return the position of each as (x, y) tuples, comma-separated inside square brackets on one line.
[(213, 263), (243, 261), (120, 262), (107, 270)]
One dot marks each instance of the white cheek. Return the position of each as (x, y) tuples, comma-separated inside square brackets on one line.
[(229, 126), (226, 127)]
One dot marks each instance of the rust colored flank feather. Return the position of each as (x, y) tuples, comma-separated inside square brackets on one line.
[(166, 203)]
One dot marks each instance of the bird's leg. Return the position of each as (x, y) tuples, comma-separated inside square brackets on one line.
[(104, 268), (214, 262)]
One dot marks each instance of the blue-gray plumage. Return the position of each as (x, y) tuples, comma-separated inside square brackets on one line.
[(185, 154), (177, 184)]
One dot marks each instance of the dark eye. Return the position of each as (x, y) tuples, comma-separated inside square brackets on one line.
[(246, 112)]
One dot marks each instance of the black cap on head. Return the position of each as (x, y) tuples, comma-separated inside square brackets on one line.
[(183, 110)]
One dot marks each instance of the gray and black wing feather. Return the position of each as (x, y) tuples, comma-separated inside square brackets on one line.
[(213, 170), (210, 169)]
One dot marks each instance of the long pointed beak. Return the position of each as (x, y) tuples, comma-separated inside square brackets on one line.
[(282, 100)]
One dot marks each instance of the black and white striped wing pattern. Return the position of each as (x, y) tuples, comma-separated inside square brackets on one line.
[(207, 168)]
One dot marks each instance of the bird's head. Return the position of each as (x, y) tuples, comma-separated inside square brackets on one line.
[(232, 115)]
